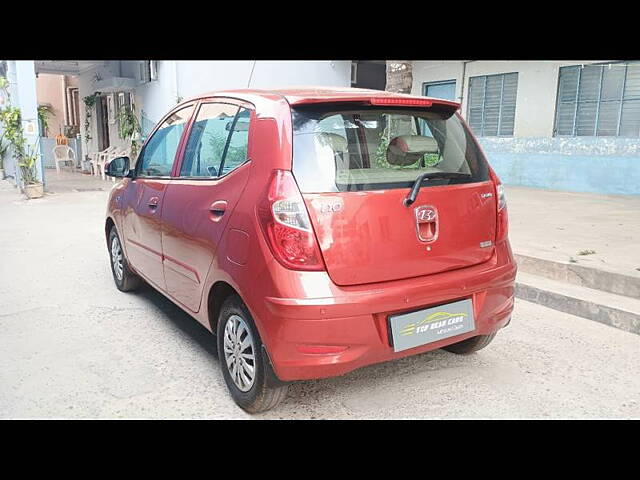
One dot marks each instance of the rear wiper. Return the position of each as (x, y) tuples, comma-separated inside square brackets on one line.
[(430, 176)]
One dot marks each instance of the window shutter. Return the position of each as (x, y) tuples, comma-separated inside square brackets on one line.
[(566, 102), (630, 115), (588, 95), (476, 99), (492, 104), (492, 100), (610, 94), (509, 93), (599, 91)]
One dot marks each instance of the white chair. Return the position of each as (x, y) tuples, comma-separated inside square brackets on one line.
[(63, 154), (93, 160), (100, 159)]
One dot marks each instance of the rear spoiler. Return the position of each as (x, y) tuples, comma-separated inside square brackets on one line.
[(386, 101)]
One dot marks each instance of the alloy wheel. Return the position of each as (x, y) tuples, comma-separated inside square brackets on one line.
[(116, 258), (239, 353)]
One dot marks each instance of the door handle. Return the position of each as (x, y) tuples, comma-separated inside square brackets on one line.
[(218, 209), (153, 202)]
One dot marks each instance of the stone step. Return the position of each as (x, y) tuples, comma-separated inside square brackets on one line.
[(618, 311), (590, 277)]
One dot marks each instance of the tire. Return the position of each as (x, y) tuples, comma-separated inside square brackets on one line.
[(123, 277), (470, 345), (262, 392)]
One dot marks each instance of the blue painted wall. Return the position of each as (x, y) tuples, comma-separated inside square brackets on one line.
[(602, 165)]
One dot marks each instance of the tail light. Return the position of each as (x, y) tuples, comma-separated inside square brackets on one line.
[(286, 225), (503, 219)]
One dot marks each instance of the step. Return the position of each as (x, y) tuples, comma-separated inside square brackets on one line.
[(609, 308), (580, 275)]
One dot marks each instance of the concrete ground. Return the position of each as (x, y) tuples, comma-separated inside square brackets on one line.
[(557, 226), (72, 346), (73, 180)]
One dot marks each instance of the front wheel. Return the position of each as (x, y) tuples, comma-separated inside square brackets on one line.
[(124, 278), (245, 365), (470, 345)]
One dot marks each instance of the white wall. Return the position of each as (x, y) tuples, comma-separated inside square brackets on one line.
[(178, 80), (187, 78), (536, 95), (86, 83)]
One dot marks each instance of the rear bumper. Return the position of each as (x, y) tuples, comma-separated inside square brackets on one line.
[(356, 318)]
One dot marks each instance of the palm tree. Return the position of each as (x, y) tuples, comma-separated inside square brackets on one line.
[(399, 76)]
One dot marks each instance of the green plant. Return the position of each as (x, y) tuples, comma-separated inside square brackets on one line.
[(27, 164), (43, 115), (11, 120), (3, 150), (129, 127), (4, 87), (89, 103)]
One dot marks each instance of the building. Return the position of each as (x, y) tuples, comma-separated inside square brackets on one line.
[(151, 87), (567, 125)]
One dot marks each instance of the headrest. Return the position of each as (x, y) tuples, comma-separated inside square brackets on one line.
[(415, 144), (408, 149)]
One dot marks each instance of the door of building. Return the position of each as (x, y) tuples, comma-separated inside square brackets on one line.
[(102, 118)]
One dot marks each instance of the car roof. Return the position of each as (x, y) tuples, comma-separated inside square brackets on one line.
[(305, 95)]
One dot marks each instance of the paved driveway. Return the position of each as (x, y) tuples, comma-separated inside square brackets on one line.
[(72, 346)]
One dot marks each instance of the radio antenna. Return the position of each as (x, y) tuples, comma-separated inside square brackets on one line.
[(251, 74)]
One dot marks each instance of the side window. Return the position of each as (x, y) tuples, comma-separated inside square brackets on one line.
[(218, 141), (156, 160), (237, 149)]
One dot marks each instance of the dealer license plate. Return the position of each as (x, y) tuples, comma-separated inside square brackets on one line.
[(431, 324)]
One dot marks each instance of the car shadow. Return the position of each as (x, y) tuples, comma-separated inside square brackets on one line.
[(180, 319), (431, 368)]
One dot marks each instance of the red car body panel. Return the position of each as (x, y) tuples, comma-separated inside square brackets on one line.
[(184, 248), (374, 221)]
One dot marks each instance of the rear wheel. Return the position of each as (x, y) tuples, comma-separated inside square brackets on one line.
[(245, 365), (470, 345), (124, 278)]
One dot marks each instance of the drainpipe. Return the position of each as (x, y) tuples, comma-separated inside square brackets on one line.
[(464, 70), (175, 80), (64, 102)]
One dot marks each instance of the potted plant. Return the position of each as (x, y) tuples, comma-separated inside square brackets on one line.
[(32, 187), (4, 146)]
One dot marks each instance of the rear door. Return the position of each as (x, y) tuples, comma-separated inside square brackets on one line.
[(355, 167), (144, 197), (200, 200)]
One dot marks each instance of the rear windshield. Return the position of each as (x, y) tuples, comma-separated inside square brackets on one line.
[(338, 149)]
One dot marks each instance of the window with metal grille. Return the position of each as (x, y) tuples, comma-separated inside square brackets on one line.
[(599, 100), (492, 104)]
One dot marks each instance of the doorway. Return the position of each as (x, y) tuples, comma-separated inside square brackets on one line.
[(103, 123), (369, 74)]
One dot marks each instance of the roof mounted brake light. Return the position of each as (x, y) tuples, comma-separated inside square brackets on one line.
[(400, 101)]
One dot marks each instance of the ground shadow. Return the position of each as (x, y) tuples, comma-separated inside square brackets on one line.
[(180, 319)]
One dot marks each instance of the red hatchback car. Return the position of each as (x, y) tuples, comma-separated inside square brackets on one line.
[(315, 231)]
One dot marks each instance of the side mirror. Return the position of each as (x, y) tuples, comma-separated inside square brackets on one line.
[(118, 167)]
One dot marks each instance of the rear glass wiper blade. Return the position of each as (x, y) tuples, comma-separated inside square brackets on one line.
[(430, 176)]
